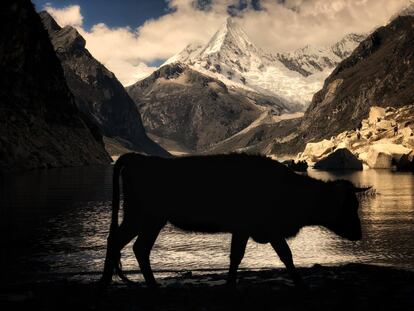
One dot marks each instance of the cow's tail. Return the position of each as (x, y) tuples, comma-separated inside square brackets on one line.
[(113, 252)]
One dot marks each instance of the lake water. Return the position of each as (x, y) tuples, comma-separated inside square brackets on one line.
[(56, 222)]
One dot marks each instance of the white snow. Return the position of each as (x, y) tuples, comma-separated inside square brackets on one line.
[(231, 57)]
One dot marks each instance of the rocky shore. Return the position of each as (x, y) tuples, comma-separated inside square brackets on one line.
[(380, 142), (349, 287)]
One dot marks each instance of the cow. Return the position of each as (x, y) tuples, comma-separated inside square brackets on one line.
[(244, 195)]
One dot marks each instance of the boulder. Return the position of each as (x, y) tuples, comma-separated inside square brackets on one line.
[(315, 151), (341, 159), (376, 114), (405, 164), (379, 160), (385, 125), (381, 156), (408, 136)]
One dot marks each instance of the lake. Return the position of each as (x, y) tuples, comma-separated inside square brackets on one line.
[(56, 222)]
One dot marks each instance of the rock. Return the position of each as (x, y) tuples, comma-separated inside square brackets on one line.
[(346, 144), (180, 104), (341, 159), (379, 72), (315, 151), (376, 114), (381, 156), (405, 164), (385, 125), (389, 144), (300, 166), (98, 93), (40, 125), (379, 160)]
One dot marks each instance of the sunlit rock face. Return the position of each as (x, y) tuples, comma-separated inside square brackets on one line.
[(40, 125), (380, 141), (97, 91)]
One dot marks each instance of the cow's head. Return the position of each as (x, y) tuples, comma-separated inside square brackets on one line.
[(344, 219)]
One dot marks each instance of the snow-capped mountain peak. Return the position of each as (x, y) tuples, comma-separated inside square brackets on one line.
[(312, 59), (232, 37), (191, 51), (294, 78)]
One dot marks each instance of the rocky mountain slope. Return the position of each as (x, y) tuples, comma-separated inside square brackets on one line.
[(231, 57), (379, 72), (257, 136), (191, 109), (40, 125), (97, 91)]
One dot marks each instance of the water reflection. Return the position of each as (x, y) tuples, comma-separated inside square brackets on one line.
[(59, 219)]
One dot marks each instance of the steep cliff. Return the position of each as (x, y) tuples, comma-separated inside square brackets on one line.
[(97, 91), (40, 125)]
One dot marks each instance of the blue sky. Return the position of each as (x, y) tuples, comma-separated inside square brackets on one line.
[(114, 13), (132, 13)]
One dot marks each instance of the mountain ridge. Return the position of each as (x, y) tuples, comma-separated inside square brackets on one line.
[(231, 57), (180, 104), (40, 124)]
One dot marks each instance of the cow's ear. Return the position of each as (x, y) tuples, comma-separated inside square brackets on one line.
[(359, 190)]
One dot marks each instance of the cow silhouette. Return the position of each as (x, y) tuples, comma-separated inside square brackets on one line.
[(247, 196)]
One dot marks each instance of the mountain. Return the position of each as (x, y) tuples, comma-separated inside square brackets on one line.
[(40, 124), (247, 77), (97, 91), (256, 138), (407, 11), (293, 78), (379, 72), (192, 110), (313, 60)]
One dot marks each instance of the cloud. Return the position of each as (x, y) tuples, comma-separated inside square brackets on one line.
[(281, 25), (70, 15)]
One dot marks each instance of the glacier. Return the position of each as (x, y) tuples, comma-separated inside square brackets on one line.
[(231, 57)]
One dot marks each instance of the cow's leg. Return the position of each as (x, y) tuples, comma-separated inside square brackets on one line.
[(238, 247), (283, 251), (142, 250), (116, 242)]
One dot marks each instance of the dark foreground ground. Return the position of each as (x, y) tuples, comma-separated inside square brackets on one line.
[(350, 287)]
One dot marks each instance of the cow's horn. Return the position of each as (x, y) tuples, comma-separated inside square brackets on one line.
[(359, 190)]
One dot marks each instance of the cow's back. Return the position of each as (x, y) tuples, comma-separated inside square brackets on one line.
[(216, 193)]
